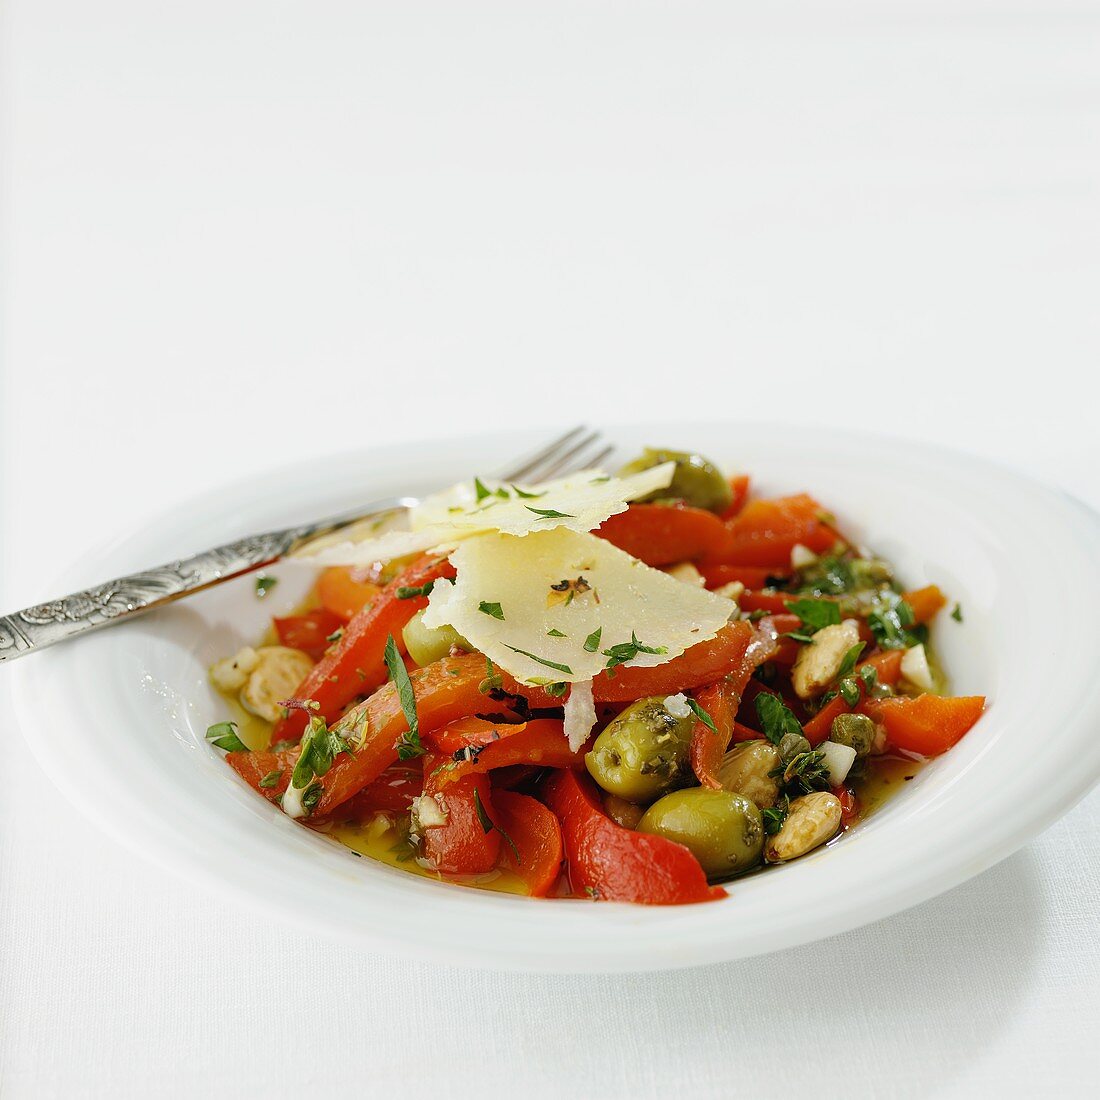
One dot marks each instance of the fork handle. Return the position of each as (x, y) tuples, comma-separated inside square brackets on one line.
[(33, 628)]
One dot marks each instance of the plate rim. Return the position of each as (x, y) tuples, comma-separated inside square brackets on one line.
[(884, 904)]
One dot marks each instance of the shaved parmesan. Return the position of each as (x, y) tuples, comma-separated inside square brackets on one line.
[(580, 502), (566, 598), (580, 714)]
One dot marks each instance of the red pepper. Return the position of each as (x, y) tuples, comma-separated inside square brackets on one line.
[(541, 742), (661, 534), (751, 576), (928, 724), (739, 486), (610, 863), (850, 808), (766, 531), (308, 632), (345, 591), (535, 832), (462, 845), (354, 665), (391, 793), (721, 700), (925, 602)]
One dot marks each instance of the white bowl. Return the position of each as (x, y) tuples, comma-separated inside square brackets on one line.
[(117, 719)]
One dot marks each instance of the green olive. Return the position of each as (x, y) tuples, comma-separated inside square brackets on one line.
[(854, 730), (643, 752), (696, 480), (426, 643), (723, 830)]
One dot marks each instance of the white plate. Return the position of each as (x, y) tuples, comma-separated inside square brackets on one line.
[(117, 719)]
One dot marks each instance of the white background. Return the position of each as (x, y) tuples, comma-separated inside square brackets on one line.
[(237, 232)]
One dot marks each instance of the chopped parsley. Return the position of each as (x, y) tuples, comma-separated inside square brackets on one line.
[(702, 715), (265, 585), (336, 635), (807, 772), (493, 680), (481, 491), (526, 496), (627, 651), (271, 779), (408, 744), (553, 632), (410, 592), (556, 690), (849, 691), (224, 736), (869, 675), (549, 513), (776, 718), (775, 816), (592, 642), (493, 610), (889, 623), (541, 660), (957, 613)]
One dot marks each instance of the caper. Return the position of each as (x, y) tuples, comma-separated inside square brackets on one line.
[(792, 745), (723, 830), (696, 480), (854, 730), (643, 752), (430, 643)]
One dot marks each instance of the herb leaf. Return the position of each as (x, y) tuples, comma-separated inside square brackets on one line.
[(957, 613), (271, 779), (408, 744), (265, 585), (888, 623), (592, 642), (847, 666), (627, 651), (410, 592), (526, 496), (776, 718), (815, 614), (541, 660), (554, 632), (488, 825), (224, 736), (702, 715), (493, 610), (549, 513), (493, 680), (849, 691), (480, 490)]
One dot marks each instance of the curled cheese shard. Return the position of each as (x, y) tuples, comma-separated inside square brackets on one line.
[(567, 598), (580, 502)]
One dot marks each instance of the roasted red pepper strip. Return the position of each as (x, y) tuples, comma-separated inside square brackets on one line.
[(344, 591), (541, 741), (661, 534), (928, 724), (610, 863), (535, 832), (391, 793), (925, 602), (276, 767), (721, 700), (308, 632), (751, 576), (461, 846), (766, 531), (739, 485), (354, 665)]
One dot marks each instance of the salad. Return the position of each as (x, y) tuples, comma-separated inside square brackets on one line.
[(632, 687)]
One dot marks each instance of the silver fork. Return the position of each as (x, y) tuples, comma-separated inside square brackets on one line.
[(34, 628)]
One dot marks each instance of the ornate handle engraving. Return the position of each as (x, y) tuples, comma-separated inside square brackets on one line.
[(36, 627)]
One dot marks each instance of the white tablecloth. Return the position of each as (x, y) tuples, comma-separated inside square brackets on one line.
[(243, 232)]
